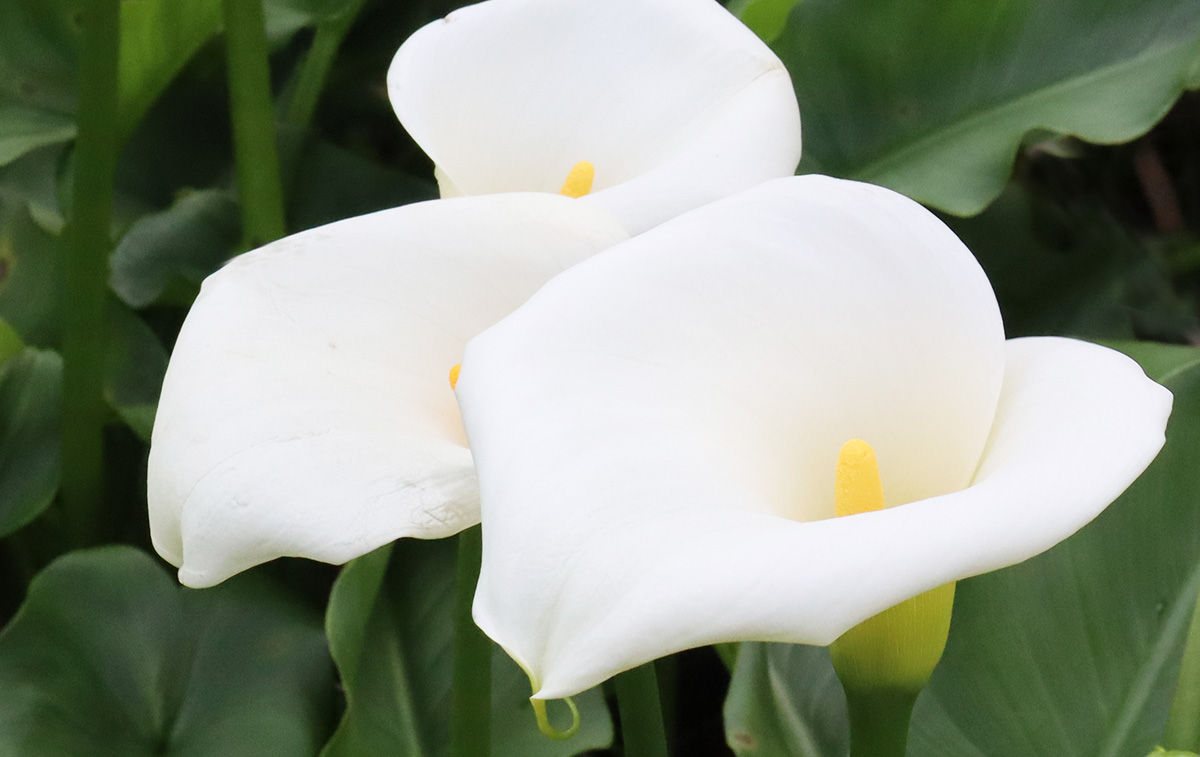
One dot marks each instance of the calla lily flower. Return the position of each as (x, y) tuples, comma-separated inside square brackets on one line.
[(656, 432), (657, 106), (307, 409)]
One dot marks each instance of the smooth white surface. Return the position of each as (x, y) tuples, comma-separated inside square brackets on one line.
[(656, 432), (675, 102), (306, 409)]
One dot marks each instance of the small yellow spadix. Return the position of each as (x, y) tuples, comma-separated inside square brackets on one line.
[(454, 375), (579, 180), (885, 661)]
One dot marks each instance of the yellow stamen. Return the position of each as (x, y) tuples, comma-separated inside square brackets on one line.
[(857, 487), (454, 376), (579, 180)]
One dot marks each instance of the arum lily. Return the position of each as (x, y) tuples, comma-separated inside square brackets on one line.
[(656, 433), (655, 106), (307, 409)]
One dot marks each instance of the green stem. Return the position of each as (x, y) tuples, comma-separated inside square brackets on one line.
[(471, 700), (640, 709), (728, 652), (255, 152), (1183, 722), (85, 272), (879, 722), (314, 71)]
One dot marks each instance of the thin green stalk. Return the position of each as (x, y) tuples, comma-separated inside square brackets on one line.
[(85, 273), (314, 71), (1183, 722), (471, 698), (728, 652), (879, 722), (640, 709), (255, 152)]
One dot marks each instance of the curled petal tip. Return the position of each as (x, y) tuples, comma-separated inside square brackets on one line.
[(543, 719)]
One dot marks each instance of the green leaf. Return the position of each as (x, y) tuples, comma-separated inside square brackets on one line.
[(388, 624), (135, 363), (1072, 653), (158, 37), (330, 183), (766, 18), (39, 46), (10, 342), (933, 97), (30, 429), (285, 17), (182, 244), (28, 277), (785, 701), (24, 129), (1072, 270), (39, 54), (107, 656)]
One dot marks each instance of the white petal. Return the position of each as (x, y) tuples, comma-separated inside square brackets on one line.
[(646, 415), (307, 409), (674, 102)]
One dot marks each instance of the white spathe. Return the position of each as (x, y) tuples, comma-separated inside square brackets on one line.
[(656, 432), (307, 410), (674, 102)]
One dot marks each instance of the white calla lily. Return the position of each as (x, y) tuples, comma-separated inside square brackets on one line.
[(673, 103), (307, 410), (656, 432)]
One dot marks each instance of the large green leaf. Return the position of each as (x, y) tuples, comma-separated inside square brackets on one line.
[(933, 97), (1073, 653), (389, 631), (30, 435), (108, 656)]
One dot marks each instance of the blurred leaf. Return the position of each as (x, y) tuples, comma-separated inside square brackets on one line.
[(32, 179), (186, 242), (39, 53), (39, 43), (107, 656), (330, 183), (28, 277), (10, 342), (785, 701), (932, 97), (24, 129), (30, 431), (135, 363), (766, 18), (157, 38), (1073, 653), (389, 628), (1072, 271), (285, 17), (135, 360)]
